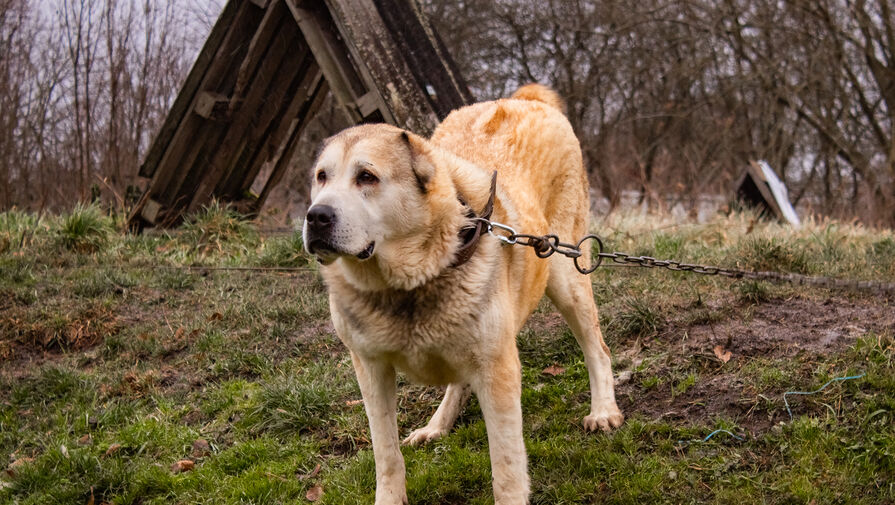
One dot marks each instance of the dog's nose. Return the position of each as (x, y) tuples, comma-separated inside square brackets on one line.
[(321, 217)]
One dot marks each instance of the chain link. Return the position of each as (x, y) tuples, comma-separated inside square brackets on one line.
[(545, 245)]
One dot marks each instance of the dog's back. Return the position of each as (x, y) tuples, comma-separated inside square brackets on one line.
[(531, 144)]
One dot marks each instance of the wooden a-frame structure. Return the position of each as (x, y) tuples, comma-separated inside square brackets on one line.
[(262, 75)]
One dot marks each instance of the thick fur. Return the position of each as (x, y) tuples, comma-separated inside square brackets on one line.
[(407, 309)]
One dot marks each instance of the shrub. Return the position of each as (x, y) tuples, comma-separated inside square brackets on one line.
[(85, 230), (216, 225)]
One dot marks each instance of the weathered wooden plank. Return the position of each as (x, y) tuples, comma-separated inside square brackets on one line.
[(242, 119), (199, 135), (222, 28), (271, 139), (368, 104), (426, 56), (193, 130), (287, 151), (374, 49), (150, 210), (211, 105), (309, 80), (271, 23), (266, 118), (332, 57)]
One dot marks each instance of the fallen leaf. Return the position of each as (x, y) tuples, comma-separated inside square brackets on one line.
[(553, 370), (723, 355), (12, 470), (315, 493), (311, 475), (64, 450), (112, 449), (91, 500), (217, 316), (184, 465), (352, 403), (85, 440)]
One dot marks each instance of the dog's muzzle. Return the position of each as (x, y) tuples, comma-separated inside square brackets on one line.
[(321, 221)]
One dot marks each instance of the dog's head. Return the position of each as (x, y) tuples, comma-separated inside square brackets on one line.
[(379, 205)]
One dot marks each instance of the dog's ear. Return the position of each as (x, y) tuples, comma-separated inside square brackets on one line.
[(422, 167)]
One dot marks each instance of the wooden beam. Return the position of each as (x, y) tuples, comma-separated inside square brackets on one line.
[(193, 131), (259, 45), (332, 57), (223, 158), (368, 104), (196, 137), (374, 50), (214, 106), (303, 94), (300, 93), (150, 211), (426, 56), (280, 92), (287, 151), (222, 28)]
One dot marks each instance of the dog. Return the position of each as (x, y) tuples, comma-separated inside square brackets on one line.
[(398, 225)]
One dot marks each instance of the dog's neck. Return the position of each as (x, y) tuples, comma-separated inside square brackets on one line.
[(411, 261)]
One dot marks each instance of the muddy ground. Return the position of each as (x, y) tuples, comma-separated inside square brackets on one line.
[(791, 332)]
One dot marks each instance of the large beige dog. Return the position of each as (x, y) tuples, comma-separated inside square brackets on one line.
[(390, 214)]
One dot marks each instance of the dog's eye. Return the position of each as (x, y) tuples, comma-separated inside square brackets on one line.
[(321, 177), (365, 177)]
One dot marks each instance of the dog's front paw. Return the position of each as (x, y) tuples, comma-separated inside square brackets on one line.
[(424, 435), (604, 420), (390, 496)]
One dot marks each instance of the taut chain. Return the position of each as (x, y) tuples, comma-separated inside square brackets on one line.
[(545, 245)]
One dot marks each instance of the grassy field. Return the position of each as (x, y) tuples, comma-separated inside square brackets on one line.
[(122, 382)]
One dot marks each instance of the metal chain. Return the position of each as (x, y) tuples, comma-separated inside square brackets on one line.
[(545, 245)]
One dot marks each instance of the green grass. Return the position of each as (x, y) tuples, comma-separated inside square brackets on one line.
[(111, 368), (85, 230)]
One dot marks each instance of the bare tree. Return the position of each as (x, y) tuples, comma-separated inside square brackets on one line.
[(83, 91), (674, 97)]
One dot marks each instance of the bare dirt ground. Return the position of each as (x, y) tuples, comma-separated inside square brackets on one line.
[(794, 332)]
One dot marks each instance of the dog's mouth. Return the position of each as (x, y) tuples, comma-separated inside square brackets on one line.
[(367, 252), (320, 246), (324, 250)]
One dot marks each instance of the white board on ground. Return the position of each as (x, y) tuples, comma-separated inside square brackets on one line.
[(778, 189)]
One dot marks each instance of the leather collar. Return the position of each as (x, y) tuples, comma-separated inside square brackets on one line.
[(470, 235)]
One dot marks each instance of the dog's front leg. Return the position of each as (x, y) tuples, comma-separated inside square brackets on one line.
[(499, 392), (377, 385)]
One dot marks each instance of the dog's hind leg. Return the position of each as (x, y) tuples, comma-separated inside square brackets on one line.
[(571, 293), (379, 389), (455, 399)]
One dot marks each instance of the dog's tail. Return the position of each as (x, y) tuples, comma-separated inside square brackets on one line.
[(540, 93)]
